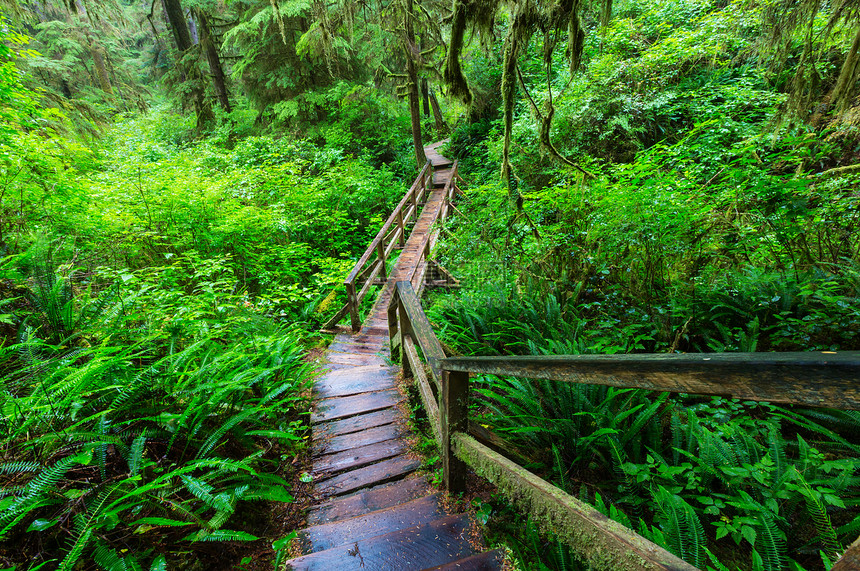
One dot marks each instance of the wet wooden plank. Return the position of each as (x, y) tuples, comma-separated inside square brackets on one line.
[(824, 378), (357, 457), (369, 348), (487, 561), (366, 501), (355, 380), (355, 439), (342, 407), (411, 549), (354, 424), (366, 335), (356, 360), (348, 531), (369, 476)]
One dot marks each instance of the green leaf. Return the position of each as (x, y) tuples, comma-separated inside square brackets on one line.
[(748, 533), (40, 524)]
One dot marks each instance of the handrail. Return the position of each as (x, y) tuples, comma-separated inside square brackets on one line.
[(826, 379), (402, 215), (424, 248), (820, 379), (391, 235)]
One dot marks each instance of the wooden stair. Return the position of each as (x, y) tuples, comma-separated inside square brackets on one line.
[(375, 511)]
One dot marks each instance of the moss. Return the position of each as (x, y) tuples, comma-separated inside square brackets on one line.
[(565, 516)]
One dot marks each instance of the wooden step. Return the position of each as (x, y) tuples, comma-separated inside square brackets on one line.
[(322, 431), (363, 336), (379, 522), (364, 348), (356, 360), (370, 500), (486, 561), (411, 549), (345, 382), (343, 407), (368, 476), (357, 457), (334, 444)]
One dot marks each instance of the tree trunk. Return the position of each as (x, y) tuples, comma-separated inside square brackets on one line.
[(840, 98), (101, 69), (509, 89), (441, 125), (412, 78), (95, 53), (214, 60), (453, 72), (425, 97), (192, 30), (178, 25)]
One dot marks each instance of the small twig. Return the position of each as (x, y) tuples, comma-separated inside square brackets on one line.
[(355, 552)]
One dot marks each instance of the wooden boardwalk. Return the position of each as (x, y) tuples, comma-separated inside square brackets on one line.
[(375, 512)]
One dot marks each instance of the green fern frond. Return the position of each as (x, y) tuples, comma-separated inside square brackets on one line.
[(17, 467), (682, 528), (818, 511), (770, 542), (220, 535)]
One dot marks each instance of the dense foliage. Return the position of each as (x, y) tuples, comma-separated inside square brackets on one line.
[(184, 185), (693, 211)]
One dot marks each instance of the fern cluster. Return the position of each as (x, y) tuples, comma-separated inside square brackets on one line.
[(763, 486), (109, 450)]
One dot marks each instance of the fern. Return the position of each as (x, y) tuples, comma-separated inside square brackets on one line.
[(35, 492), (681, 526), (818, 512), (770, 542), (18, 467)]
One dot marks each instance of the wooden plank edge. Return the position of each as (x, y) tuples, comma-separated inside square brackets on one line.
[(602, 542)]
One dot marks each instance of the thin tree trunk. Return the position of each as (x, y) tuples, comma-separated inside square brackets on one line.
[(412, 78), (101, 69), (214, 60), (425, 97), (178, 25), (441, 125), (95, 53), (192, 30), (840, 98)]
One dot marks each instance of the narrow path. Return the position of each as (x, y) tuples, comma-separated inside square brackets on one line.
[(376, 513)]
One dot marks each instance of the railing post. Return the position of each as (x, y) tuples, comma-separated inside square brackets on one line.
[(352, 301), (380, 249), (454, 409), (405, 327), (394, 337), (402, 227)]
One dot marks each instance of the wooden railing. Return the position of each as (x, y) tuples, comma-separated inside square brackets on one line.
[(824, 379), (391, 235), (371, 267)]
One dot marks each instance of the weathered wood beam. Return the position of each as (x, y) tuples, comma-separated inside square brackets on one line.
[(821, 379), (602, 542), (431, 406), (850, 560), (422, 331), (331, 323)]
